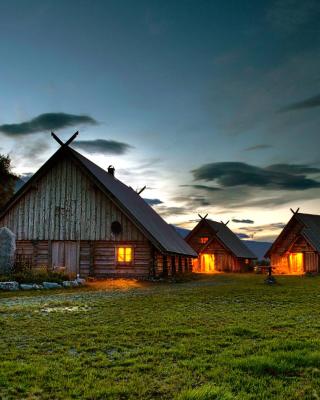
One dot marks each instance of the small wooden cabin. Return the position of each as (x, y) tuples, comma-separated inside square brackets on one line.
[(218, 248), (73, 215), (296, 250)]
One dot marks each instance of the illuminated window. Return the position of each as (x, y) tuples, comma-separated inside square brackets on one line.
[(246, 261), (124, 254), (203, 240)]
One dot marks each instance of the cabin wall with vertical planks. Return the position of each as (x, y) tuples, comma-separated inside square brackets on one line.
[(65, 205)]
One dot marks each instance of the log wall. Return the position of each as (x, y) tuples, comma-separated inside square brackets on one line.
[(65, 205)]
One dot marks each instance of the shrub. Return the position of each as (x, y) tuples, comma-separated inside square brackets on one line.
[(35, 275)]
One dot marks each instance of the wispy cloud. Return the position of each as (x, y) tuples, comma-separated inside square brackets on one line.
[(242, 221), (45, 122), (259, 147), (311, 102), (101, 146)]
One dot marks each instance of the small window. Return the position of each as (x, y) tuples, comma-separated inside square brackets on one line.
[(246, 261), (124, 255), (116, 228), (203, 239)]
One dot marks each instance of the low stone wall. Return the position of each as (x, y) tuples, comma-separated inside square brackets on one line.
[(14, 286)]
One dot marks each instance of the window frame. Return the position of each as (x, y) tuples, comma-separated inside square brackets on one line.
[(124, 263), (203, 239)]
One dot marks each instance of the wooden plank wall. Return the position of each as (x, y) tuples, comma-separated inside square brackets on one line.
[(280, 258), (65, 205)]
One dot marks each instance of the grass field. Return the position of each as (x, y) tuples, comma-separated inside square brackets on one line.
[(217, 337)]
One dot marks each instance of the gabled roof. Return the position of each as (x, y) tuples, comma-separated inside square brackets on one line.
[(310, 230), (161, 234), (228, 238)]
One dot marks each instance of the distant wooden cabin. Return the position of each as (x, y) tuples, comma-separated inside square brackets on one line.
[(75, 216), (296, 250), (218, 248)]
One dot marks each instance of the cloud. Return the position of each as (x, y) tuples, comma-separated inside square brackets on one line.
[(153, 202), (46, 122), (277, 176), (259, 147), (203, 187), (311, 102), (101, 146), (243, 236), (242, 221), (26, 176), (276, 226)]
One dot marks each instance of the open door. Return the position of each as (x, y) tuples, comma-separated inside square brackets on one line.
[(65, 256), (207, 263), (296, 263)]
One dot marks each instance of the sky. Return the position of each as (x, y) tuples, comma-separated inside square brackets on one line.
[(213, 105)]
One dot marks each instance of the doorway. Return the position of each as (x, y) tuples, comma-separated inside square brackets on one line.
[(65, 257), (207, 262), (296, 263)]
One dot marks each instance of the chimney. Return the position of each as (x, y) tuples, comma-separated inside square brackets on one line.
[(111, 170)]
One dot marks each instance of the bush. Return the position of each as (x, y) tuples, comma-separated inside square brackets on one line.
[(35, 275)]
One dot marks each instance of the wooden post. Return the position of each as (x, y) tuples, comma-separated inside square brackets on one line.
[(165, 266), (153, 263), (180, 264), (173, 265), (91, 256)]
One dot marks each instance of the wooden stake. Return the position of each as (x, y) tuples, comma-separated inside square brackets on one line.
[(141, 190), (67, 142)]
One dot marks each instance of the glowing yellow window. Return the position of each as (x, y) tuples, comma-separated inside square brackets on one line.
[(203, 240), (124, 254)]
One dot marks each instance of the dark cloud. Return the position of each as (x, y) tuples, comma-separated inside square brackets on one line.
[(46, 122), (311, 102), (101, 146), (259, 147), (202, 187), (242, 221), (243, 236), (277, 176), (153, 202)]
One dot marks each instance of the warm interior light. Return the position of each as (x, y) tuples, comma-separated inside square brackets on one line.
[(207, 262), (124, 254), (296, 263), (203, 240)]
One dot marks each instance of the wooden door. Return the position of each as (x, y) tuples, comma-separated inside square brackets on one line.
[(57, 255), (65, 255), (71, 260), (296, 263), (207, 262)]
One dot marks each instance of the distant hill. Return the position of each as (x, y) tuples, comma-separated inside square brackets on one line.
[(182, 231), (19, 184), (258, 248)]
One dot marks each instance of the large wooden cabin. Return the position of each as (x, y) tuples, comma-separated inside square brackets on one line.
[(297, 249), (218, 248), (73, 215)]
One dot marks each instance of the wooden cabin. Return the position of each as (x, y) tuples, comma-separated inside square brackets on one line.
[(296, 250), (75, 216), (218, 248)]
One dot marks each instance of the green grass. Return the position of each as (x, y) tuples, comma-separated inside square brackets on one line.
[(218, 337)]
